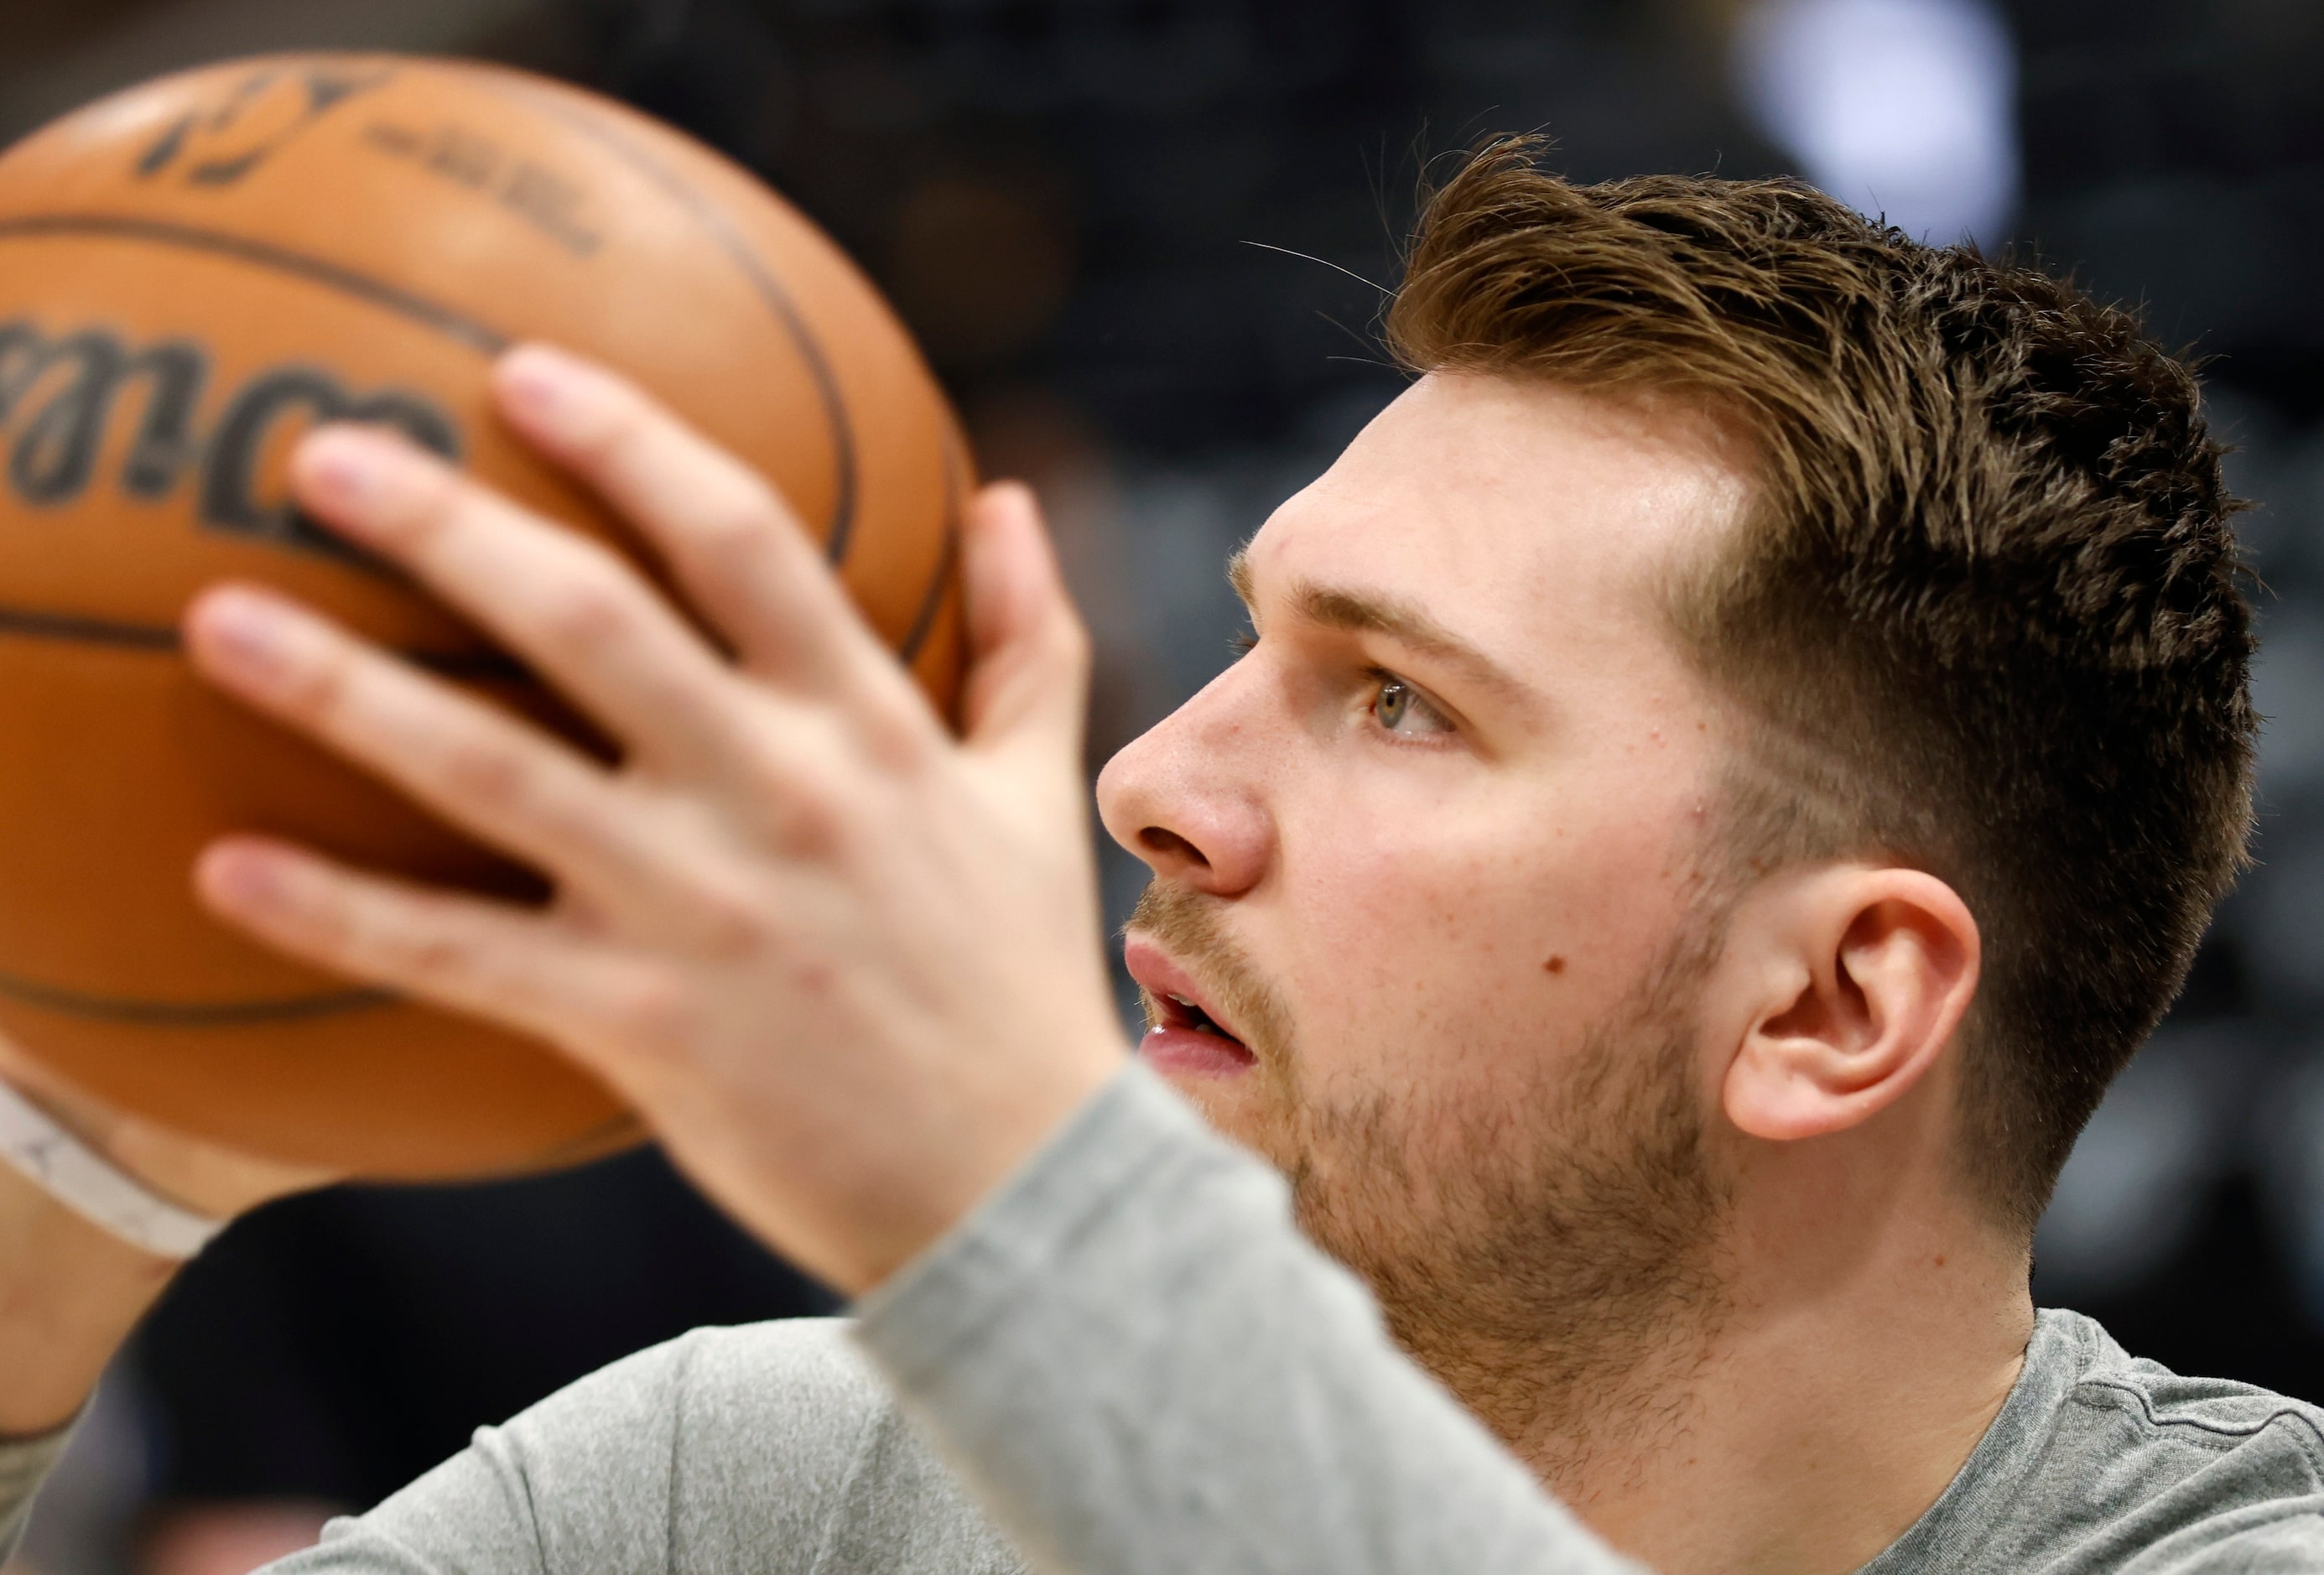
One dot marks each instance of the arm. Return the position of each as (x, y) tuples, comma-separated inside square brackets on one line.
[(69, 1296), (70, 1291), (768, 1450)]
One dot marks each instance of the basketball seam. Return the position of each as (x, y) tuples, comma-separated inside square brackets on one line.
[(190, 1014), (841, 530), (932, 600), (480, 666), (452, 324)]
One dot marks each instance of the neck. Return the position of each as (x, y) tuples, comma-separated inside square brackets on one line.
[(1858, 1353)]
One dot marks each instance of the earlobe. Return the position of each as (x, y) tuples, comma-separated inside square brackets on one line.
[(1855, 981)]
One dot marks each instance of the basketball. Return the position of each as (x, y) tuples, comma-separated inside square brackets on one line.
[(192, 274)]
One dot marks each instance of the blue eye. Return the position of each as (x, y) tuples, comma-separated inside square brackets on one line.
[(1399, 708)]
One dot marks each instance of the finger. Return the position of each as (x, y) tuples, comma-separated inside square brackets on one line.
[(584, 618), (741, 555), (492, 775), (508, 965), (1027, 683)]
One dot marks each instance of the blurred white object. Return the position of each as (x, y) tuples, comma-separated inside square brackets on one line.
[(1902, 108)]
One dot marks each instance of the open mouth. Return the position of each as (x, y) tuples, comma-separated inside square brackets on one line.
[(1183, 1034), (1167, 1011)]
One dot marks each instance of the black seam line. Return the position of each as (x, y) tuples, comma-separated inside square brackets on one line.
[(762, 280), (172, 1014), (2146, 1409), (71, 626), (926, 618), (442, 318)]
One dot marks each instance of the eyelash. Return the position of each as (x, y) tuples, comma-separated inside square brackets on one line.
[(1242, 643), (1382, 676)]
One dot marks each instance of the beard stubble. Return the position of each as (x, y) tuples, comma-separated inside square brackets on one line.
[(1547, 1253)]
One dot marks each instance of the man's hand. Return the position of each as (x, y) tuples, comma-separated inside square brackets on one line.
[(848, 966)]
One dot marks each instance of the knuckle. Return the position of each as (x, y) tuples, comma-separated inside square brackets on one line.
[(735, 922), (617, 425), (653, 1009), (589, 610), (807, 820), (813, 809), (898, 739), (324, 689), (436, 955), (741, 519), (814, 826), (328, 924), (426, 500), (385, 937), (483, 770)]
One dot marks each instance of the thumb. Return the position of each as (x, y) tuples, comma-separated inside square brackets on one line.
[(1029, 655)]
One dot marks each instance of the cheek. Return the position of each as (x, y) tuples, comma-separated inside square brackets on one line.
[(1443, 944)]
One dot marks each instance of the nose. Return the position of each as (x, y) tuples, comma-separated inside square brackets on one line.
[(1188, 797)]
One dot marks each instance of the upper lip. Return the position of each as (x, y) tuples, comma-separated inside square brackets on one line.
[(1161, 976)]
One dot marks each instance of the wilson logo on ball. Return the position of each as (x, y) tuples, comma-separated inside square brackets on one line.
[(62, 397), (218, 143)]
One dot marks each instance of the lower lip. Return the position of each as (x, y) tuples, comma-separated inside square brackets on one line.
[(1195, 1054)]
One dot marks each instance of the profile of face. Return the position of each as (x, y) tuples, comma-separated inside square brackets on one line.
[(1425, 916)]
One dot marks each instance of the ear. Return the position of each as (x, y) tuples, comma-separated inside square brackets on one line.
[(1847, 983)]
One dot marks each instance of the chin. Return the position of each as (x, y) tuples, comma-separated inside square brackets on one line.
[(1246, 1109)]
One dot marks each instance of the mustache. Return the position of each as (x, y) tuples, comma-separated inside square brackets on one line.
[(1187, 925)]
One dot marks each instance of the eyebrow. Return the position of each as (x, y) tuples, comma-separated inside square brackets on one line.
[(1362, 611)]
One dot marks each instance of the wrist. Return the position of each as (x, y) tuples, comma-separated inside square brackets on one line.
[(70, 1291), (896, 1218), (43, 1149), (195, 1174)]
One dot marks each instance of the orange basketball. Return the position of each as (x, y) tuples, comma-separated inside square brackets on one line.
[(193, 272)]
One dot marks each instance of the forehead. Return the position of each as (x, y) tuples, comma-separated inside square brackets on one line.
[(1515, 511)]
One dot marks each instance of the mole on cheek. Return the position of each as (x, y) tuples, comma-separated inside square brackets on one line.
[(1556, 964)]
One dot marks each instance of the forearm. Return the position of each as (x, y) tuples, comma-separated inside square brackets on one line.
[(70, 1293), (1140, 1366)]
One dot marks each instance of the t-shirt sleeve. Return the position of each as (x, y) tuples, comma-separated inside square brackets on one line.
[(725, 1450), (2273, 1544), (24, 1464), (1140, 1365)]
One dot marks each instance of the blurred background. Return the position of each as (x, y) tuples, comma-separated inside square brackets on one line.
[(1144, 241)]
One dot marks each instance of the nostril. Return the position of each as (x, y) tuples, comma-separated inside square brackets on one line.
[(1169, 844)]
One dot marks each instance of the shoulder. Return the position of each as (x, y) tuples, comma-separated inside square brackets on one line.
[(2165, 1472), (802, 1380), (2192, 1420), (763, 1448)]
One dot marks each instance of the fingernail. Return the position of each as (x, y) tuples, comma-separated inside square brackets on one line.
[(246, 629), (344, 465), (538, 379), (238, 874)]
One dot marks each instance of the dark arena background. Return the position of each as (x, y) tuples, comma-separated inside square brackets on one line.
[(1144, 241)]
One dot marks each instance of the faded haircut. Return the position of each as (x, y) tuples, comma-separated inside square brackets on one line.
[(1983, 616)]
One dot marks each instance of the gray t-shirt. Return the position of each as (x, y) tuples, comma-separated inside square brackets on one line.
[(1129, 1361)]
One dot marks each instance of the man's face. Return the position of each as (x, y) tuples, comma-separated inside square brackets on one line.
[(1426, 853)]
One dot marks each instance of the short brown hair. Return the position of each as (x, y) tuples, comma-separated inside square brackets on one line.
[(1985, 618)]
